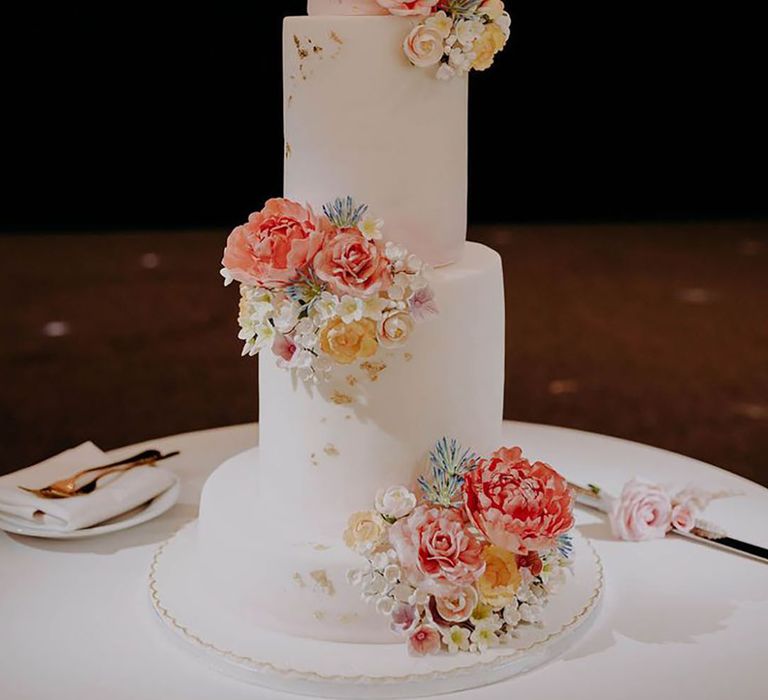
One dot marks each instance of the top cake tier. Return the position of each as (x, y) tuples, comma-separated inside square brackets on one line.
[(360, 120), (344, 7)]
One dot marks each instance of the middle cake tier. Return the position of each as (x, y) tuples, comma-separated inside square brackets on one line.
[(327, 447)]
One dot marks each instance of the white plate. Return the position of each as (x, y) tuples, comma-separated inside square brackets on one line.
[(148, 511)]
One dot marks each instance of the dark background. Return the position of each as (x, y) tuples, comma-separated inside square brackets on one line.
[(617, 165), (128, 118)]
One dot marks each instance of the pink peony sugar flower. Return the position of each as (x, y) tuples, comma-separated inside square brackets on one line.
[(642, 512), (424, 640), (283, 346), (414, 7), (518, 506), (275, 245), (423, 304), (351, 264), (436, 549)]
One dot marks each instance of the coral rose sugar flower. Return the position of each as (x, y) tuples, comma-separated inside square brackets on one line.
[(436, 549), (275, 245), (414, 7), (351, 264), (517, 505)]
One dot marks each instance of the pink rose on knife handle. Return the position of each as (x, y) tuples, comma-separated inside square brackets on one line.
[(519, 506), (276, 244), (351, 264), (437, 550), (642, 512), (683, 517), (415, 7)]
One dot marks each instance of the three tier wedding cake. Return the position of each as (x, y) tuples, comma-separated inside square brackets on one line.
[(381, 333)]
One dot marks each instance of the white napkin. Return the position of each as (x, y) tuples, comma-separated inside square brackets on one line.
[(114, 496)]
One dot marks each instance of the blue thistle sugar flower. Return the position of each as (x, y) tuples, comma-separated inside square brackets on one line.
[(565, 545), (449, 465), (460, 7), (344, 212), (306, 289)]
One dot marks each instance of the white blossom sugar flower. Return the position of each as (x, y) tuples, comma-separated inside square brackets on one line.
[(350, 309), (492, 9), (287, 316), (512, 615), (392, 573), (440, 22), (531, 613), (324, 307), (395, 252), (445, 72), (374, 307), (371, 228), (419, 597), (227, 275), (469, 30), (456, 639), (395, 502), (484, 638), (385, 605)]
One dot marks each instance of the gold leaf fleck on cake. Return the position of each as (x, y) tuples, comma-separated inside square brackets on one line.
[(319, 615), (303, 53), (373, 369), (408, 356), (335, 37), (341, 399), (331, 450), (323, 582), (287, 150), (320, 547), (299, 580), (348, 618), (290, 97), (352, 380), (318, 50), (313, 459)]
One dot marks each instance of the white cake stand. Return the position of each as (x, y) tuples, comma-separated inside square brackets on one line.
[(227, 641)]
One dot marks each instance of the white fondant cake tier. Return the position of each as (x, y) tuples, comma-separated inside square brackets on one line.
[(360, 120), (327, 448), (272, 535), (252, 606)]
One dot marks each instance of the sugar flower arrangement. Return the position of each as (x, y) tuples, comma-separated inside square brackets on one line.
[(461, 567), (646, 511), (455, 35), (323, 288)]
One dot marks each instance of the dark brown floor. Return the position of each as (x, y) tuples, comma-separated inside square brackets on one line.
[(657, 333)]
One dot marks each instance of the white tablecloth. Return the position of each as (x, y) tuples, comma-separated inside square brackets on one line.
[(678, 620)]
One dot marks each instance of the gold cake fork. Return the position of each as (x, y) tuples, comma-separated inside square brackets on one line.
[(74, 486)]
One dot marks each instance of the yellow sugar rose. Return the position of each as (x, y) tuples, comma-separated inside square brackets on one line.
[(498, 585), (487, 45), (363, 531), (346, 342)]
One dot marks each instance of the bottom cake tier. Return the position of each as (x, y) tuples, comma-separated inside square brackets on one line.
[(250, 603), (295, 586)]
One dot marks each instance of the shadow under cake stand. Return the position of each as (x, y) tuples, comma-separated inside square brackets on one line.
[(218, 636)]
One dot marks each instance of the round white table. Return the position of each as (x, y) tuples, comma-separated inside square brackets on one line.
[(678, 619)]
